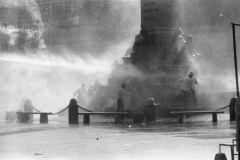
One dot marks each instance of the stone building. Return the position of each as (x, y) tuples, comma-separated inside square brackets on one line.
[(78, 25), (71, 23), (8, 23)]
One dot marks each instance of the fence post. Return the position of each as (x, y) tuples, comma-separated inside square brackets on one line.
[(232, 108), (73, 112)]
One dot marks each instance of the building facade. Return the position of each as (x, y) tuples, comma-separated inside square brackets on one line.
[(8, 23), (71, 24)]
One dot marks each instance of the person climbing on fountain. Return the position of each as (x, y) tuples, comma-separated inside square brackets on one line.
[(188, 89), (80, 92)]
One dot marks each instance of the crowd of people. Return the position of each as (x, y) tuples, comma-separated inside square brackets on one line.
[(187, 87), (188, 90), (82, 93)]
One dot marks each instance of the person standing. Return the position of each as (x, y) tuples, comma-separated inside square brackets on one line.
[(120, 102), (188, 89), (80, 92), (193, 82)]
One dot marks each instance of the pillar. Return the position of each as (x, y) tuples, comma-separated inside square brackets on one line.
[(232, 108), (86, 118), (138, 117), (214, 117), (118, 119), (220, 156), (10, 115), (180, 118), (43, 118), (73, 112), (22, 117)]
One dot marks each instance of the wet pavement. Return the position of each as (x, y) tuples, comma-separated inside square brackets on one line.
[(195, 139)]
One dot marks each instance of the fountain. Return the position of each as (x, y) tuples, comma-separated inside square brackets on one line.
[(162, 54)]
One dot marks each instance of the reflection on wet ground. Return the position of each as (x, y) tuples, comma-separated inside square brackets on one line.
[(103, 139), (22, 130), (193, 126)]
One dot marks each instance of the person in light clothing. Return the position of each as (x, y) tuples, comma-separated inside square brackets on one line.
[(80, 92), (188, 89)]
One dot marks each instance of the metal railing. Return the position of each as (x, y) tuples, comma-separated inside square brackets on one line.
[(232, 147)]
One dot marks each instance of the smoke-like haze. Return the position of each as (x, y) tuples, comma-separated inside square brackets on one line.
[(209, 23), (50, 79)]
